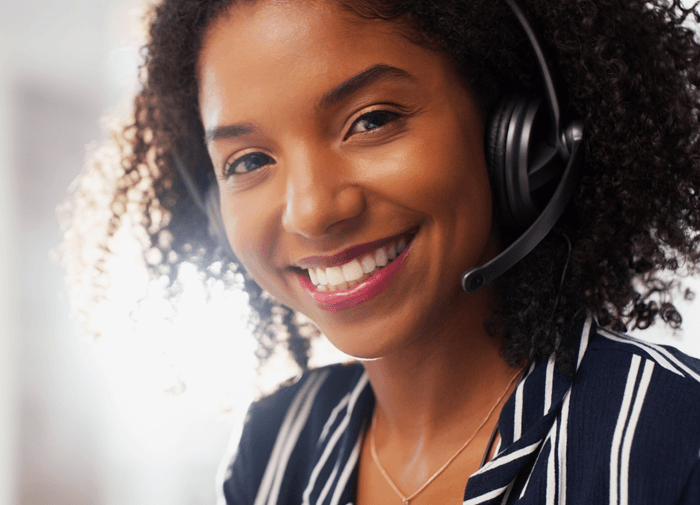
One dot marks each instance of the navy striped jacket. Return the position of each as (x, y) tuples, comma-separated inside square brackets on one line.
[(624, 429)]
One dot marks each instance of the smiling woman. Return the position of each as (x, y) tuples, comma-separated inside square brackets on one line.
[(356, 159)]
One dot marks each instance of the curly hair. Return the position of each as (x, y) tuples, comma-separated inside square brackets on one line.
[(629, 69)]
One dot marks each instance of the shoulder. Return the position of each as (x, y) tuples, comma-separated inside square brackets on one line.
[(617, 354), (659, 384), (283, 428), (635, 409), (318, 390)]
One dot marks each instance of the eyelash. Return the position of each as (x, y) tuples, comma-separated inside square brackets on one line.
[(231, 168), (376, 118), (384, 116)]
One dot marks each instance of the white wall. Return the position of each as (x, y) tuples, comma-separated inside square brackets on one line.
[(8, 332), (74, 427)]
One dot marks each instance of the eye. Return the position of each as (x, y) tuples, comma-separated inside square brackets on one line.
[(371, 121), (247, 163)]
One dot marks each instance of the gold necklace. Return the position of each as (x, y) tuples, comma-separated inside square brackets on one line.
[(407, 499)]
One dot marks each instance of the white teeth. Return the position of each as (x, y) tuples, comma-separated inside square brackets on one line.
[(380, 257), (355, 271), (334, 276), (368, 263), (352, 271), (401, 245)]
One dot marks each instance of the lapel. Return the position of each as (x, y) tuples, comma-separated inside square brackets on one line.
[(525, 423)]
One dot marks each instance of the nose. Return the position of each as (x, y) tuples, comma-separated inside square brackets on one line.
[(321, 197)]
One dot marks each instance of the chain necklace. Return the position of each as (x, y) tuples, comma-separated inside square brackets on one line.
[(407, 499)]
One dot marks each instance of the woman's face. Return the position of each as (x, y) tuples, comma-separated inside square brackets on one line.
[(337, 143)]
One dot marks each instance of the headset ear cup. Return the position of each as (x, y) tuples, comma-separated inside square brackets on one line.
[(517, 135), (496, 142), (217, 230), (520, 144)]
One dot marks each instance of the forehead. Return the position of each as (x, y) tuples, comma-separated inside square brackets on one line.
[(280, 50), (290, 30)]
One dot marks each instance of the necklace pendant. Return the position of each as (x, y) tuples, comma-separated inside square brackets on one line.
[(405, 502)]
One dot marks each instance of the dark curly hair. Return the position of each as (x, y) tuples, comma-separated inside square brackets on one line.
[(629, 69)]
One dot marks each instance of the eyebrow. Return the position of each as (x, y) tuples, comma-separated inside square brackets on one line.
[(363, 79), (228, 131), (341, 92)]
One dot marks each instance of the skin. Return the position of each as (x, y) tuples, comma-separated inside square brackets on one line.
[(329, 177)]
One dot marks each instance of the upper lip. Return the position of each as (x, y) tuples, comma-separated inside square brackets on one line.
[(347, 254)]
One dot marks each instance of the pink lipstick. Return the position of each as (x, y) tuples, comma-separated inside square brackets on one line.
[(366, 290)]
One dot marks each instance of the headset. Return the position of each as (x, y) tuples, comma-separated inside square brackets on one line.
[(526, 153)]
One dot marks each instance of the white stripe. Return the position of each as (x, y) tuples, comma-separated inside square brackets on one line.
[(537, 459), (532, 369), (500, 461), (292, 438), (331, 418), (485, 497), (585, 336), (645, 347), (549, 384), (361, 384), (506, 495), (347, 471), (269, 474), (677, 362), (563, 440), (329, 483), (498, 446), (522, 493), (620, 427), (551, 467), (518, 424), (631, 427)]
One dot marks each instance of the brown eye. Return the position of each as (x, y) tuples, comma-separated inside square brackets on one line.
[(372, 120), (248, 163)]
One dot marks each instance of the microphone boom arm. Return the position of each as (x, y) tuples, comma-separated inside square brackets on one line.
[(476, 278)]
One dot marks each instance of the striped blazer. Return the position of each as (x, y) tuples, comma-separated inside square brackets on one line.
[(624, 429)]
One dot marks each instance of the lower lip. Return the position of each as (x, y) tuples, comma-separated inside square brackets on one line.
[(334, 301)]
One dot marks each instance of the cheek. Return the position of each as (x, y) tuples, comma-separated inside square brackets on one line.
[(252, 222), (245, 223), (444, 171), (455, 173)]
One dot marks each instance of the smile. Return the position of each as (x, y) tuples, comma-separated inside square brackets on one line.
[(360, 279), (357, 270)]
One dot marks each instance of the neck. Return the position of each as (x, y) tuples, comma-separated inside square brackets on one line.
[(445, 380)]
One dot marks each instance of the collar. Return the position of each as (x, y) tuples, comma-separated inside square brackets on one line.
[(525, 422)]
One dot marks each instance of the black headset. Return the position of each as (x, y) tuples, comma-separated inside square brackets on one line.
[(527, 153)]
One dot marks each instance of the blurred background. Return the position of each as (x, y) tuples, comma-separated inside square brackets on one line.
[(144, 414)]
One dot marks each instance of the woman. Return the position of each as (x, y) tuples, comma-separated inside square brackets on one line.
[(346, 140)]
